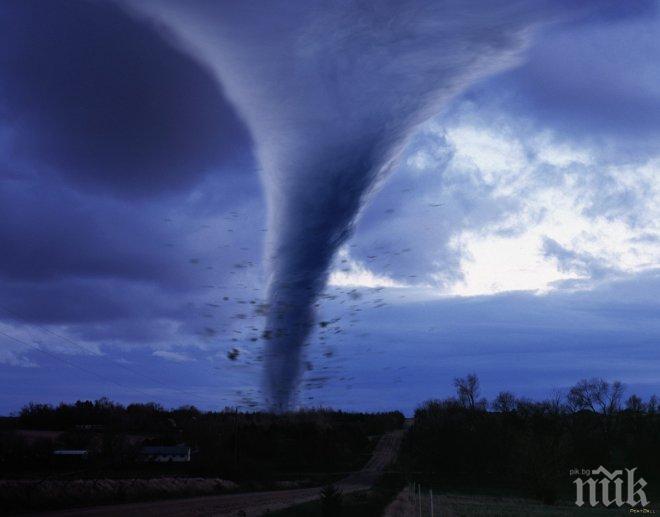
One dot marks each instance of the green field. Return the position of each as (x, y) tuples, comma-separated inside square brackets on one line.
[(461, 505)]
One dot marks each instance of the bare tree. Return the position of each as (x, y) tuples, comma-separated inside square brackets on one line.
[(468, 391), (635, 404), (505, 402), (555, 402), (596, 395)]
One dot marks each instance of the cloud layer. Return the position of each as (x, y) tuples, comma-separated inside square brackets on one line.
[(100, 98), (132, 219), (330, 94)]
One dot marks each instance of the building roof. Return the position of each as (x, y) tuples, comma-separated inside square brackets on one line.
[(166, 449)]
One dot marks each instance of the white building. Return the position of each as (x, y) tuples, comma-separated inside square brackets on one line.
[(175, 453)]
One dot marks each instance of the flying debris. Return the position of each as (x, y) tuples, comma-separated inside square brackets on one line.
[(328, 133)]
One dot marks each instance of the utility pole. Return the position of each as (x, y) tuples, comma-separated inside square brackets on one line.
[(236, 438)]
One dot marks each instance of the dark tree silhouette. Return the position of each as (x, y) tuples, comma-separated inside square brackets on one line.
[(468, 392), (505, 402)]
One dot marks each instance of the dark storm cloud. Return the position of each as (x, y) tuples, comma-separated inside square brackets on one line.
[(114, 270), (105, 100), (78, 301), (117, 268), (50, 232), (100, 117), (592, 82)]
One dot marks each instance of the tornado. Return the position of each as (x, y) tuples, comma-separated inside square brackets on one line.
[(330, 91)]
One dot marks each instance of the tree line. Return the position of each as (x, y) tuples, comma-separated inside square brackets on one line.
[(226, 443), (514, 444)]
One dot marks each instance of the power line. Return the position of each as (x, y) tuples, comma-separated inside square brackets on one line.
[(80, 347), (105, 358), (73, 365)]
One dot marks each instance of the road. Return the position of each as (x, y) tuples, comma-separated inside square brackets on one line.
[(252, 503)]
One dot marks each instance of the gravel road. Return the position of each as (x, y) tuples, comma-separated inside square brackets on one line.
[(247, 504)]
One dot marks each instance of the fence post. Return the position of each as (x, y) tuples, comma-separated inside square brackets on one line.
[(431, 497), (419, 492)]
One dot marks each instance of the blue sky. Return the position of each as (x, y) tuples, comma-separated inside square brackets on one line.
[(515, 233)]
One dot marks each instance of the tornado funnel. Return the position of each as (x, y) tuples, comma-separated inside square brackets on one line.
[(330, 90)]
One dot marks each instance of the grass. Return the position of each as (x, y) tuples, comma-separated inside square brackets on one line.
[(460, 505), (366, 503), (357, 504)]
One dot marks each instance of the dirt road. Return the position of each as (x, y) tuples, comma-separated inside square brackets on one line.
[(253, 503)]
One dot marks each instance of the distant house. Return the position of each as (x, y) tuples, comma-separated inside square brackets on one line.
[(162, 454), (34, 435), (90, 427), (71, 454)]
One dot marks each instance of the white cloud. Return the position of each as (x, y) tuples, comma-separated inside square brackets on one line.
[(493, 264), (559, 154), (12, 358), (505, 190), (495, 155), (176, 357), (353, 273)]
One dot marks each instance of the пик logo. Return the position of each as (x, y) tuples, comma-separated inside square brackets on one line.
[(610, 482)]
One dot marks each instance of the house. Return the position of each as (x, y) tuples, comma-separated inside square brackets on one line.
[(71, 454), (165, 453), (90, 427), (31, 436)]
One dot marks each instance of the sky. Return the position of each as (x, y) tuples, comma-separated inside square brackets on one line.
[(513, 231)]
